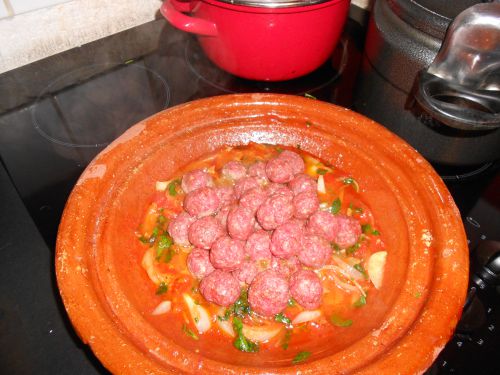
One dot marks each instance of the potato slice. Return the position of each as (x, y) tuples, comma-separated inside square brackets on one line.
[(375, 267)]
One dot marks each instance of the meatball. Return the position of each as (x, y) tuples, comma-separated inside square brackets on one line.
[(178, 228), (268, 294), (220, 287), (305, 204), (306, 289), (225, 194), (253, 198), (286, 267), (202, 202), (323, 223), (302, 183), (294, 160), (227, 254), (349, 231), (240, 222), (279, 189), (244, 185), (276, 210), (258, 169), (315, 251), (222, 215), (247, 272), (286, 240), (198, 263), (196, 179), (258, 245), (234, 170), (278, 170), (203, 232)]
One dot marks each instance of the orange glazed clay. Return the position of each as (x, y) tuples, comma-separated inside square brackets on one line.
[(107, 294)]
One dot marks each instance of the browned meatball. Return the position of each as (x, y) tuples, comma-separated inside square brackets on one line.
[(234, 170), (315, 251), (240, 223), (196, 179), (302, 183), (220, 287), (227, 254), (247, 272), (276, 210), (203, 232), (286, 240), (202, 202), (253, 198), (305, 204), (178, 228), (278, 170), (349, 231), (306, 288), (323, 223), (198, 263), (258, 245), (268, 294)]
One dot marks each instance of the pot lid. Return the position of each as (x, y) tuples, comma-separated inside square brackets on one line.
[(430, 16), (274, 3)]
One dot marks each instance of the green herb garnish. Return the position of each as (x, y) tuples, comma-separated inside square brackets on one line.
[(189, 333), (321, 171), (282, 319), (286, 339), (335, 247), (164, 251), (340, 322), (301, 357), (360, 302), (351, 181), (242, 343), (336, 204), (352, 249), (227, 315), (367, 229), (291, 302), (241, 307), (359, 267), (162, 288), (172, 187)]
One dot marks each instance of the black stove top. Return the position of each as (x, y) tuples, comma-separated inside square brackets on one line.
[(57, 114)]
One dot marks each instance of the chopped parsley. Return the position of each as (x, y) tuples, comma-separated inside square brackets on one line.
[(321, 171), (359, 267), (241, 342), (301, 357), (282, 318), (368, 229), (286, 339), (172, 187), (189, 333), (291, 302), (241, 307), (352, 249), (162, 288), (336, 204), (340, 322), (360, 302)]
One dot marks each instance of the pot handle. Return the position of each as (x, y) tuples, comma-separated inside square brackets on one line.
[(172, 11)]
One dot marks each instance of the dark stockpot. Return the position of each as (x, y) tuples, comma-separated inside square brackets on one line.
[(449, 122)]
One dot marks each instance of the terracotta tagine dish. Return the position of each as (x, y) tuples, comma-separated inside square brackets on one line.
[(118, 279)]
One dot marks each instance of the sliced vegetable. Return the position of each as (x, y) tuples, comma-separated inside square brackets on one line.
[(340, 322), (261, 333), (162, 308), (198, 313), (301, 357), (242, 343), (306, 316), (359, 267), (321, 185), (375, 267), (224, 323), (161, 185)]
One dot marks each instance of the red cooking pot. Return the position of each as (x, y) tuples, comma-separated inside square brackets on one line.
[(273, 40)]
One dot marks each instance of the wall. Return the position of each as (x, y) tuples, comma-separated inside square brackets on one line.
[(33, 29)]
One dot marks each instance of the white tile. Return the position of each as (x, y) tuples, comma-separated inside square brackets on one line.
[(23, 6), (3, 10)]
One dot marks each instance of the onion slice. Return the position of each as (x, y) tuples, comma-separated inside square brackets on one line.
[(321, 184), (162, 308), (375, 267), (225, 325), (261, 333), (306, 316), (347, 268), (199, 314)]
